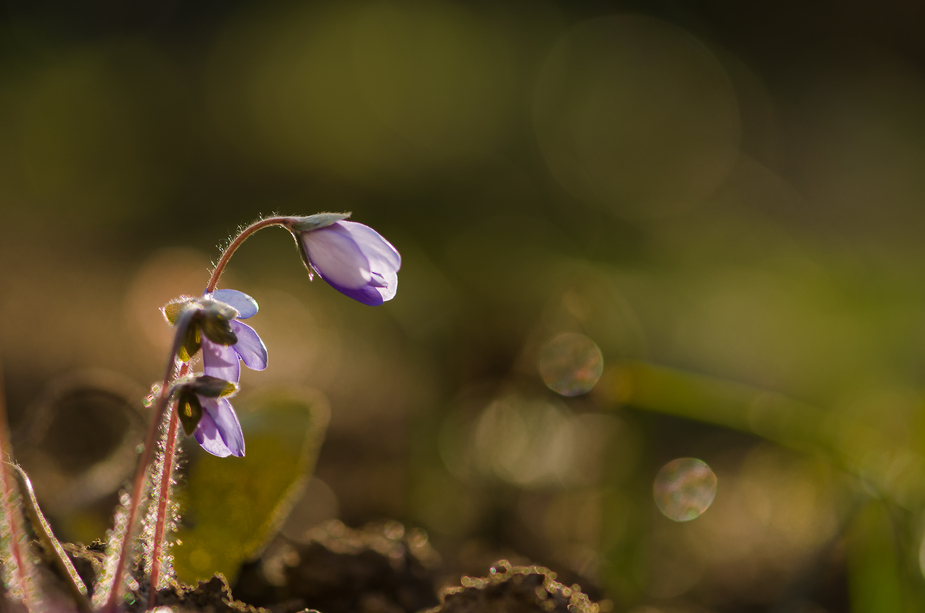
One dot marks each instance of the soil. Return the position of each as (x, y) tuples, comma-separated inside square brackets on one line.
[(378, 569)]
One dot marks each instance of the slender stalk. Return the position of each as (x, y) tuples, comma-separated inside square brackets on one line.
[(139, 483), (19, 572), (151, 438), (163, 499), (240, 238), (170, 450)]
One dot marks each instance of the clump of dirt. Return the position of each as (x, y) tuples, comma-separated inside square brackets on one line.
[(380, 568), (515, 589), (212, 596)]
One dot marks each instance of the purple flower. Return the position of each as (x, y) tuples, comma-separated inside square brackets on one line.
[(354, 259), (223, 361), (211, 323), (219, 431), (206, 413)]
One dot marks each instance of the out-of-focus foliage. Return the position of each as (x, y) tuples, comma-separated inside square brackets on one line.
[(233, 508), (722, 199)]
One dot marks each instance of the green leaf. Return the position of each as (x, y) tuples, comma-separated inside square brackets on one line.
[(238, 504)]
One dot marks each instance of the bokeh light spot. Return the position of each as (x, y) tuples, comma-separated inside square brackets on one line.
[(684, 489), (571, 364)]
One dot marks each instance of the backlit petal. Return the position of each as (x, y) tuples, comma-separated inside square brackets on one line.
[(381, 254), (334, 254), (242, 303), (221, 360), (208, 437), (226, 427), (249, 347), (390, 285), (371, 295)]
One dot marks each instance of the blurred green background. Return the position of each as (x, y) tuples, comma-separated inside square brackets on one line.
[(726, 199)]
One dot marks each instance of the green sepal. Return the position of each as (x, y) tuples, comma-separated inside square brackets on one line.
[(314, 222), (189, 409), (218, 331), (211, 387), (216, 309), (192, 340), (300, 245), (173, 309)]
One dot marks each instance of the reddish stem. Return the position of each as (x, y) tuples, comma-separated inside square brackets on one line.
[(151, 438), (138, 486), (163, 499), (11, 512), (240, 238), (170, 448)]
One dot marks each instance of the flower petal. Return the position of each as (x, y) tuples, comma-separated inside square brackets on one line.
[(219, 431), (249, 347), (334, 254), (220, 361), (381, 254), (242, 303), (208, 437), (371, 295), (389, 285)]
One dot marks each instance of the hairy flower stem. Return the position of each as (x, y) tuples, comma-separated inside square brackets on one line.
[(138, 484), (163, 498), (151, 438), (245, 234)]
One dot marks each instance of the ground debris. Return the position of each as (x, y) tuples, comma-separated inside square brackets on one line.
[(377, 569), (380, 568), (212, 596), (514, 589)]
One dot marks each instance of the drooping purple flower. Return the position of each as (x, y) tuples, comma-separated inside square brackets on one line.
[(219, 431), (354, 259), (211, 323), (207, 414), (223, 361)]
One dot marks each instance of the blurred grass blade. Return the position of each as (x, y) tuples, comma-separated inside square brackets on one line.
[(884, 464), (875, 582), (53, 548), (16, 559)]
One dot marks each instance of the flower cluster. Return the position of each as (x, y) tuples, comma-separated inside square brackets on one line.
[(211, 323), (354, 259)]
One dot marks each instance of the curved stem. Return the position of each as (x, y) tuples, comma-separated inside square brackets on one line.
[(151, 437), (240, 238)]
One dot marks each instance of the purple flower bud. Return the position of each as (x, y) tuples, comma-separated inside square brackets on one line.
[(354, 259)]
